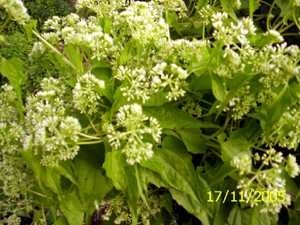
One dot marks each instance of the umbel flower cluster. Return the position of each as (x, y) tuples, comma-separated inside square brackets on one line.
[(270, 180), (15, 177), (16, 10), (51, 134), (132, 132), (87, 93), (77, 31), (142, 86)]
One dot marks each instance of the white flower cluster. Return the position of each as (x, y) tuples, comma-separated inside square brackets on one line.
[(87, 93), (287, 130), (292, 167), (205, 13), (8, 112), (230, 65), (51, 135), (102, 8), (131, 133), (14, 175), (16, 9), (228, 32), (184, 52), (278, 64), (242, 162), (268, 177), (86, 33), (162, 77), (13, 220), (241, 103), (143, 22), (177, 6)]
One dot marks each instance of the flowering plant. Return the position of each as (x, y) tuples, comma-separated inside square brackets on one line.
[(144, 108)]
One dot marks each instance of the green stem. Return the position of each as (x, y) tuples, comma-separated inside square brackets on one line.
[(269, 16), (89, 142), (53, 49), (286, 28), (88, 136)]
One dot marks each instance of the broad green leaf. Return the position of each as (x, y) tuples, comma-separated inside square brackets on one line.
[(29, 27), (194, 142), (294, 217), (114, 166), (92, 184), (157, 99), (215, 175), (65, 170), (235, 145), (169, 116), (239, 141), (72, 208), (60, 221), (105, 75), (250, 5), (191, 205), (270, 114), (200, 83), (47, 178), (170, 142), (51, 180), (124, 178), (261, 40), (186, 187), (228, 6), (74, 55), (12, 69), (250, 216), (201, 3), (286, 9), (218, 88)]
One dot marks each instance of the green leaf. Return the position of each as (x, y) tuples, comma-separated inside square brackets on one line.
[(270, 114), (74, 55), (157, 99), (105, 75), (200, 83), (184, 184), (169, 116), (92, 184), (286, 9), (294, 217), (125, 179), (72, 209), (218, 88), (114, 166), (239, 141), (240, 216), (215, 174), (29, 27), (171, 142), (60, 221), (12, 69), (253, 5), (201, 3), (47, 178), (194, 142), (228, 6)]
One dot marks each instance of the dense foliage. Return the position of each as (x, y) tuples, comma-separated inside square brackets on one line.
[(150, 112)]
